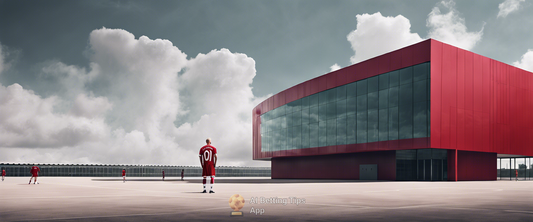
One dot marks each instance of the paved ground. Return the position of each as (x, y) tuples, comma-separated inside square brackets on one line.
[(150, 199)]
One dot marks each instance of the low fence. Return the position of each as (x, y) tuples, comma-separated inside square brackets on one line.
[(108, 170)]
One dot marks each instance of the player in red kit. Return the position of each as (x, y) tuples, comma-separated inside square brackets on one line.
[(3, 174), (34, 174), (123, 175), (208, 159)]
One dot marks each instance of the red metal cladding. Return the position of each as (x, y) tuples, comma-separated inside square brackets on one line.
[(479, 104), (476, 103)]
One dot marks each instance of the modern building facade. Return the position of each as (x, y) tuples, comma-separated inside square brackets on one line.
[(429, 111)]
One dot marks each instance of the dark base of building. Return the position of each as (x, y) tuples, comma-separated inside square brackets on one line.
[(411, 165)]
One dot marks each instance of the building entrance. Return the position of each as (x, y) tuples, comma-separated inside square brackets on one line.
[(422, 164)]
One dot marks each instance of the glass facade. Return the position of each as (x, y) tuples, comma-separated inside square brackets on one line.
[(390, 106), (422, 164), (103, 170), (508, 168)]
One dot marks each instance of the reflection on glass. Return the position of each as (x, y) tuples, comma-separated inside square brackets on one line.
[(332, 132), (373, 84), (351, 129), (341, 131), (322, 133), (389, 106), (373, 132), (362, 126)]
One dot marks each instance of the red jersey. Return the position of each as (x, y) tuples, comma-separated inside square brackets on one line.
[(35, 171), (3, 172), (207, 152), (123, 172)]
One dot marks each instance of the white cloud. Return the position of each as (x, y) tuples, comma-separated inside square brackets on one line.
[(526, 61), (450, 28), (334, 67), (508, 6), (27, 120), (125, 107), (376, 35), (219, 103)]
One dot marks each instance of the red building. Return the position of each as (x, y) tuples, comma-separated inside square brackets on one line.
[(429, 111)]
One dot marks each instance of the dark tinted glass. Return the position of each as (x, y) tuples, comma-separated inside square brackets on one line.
[(406, 75), (331, 95), (305, 136), (322, 112), (313, 100), (305, 102), (384, 81), (373, 133), (420, 91), (406, 122), (373, 85), (351, 89), (351, 129), (313, 135), (297, 140), (294, 106), (361, 103), (383, 124), (384, 99), (394, 78), (332, 110), (332, 132), (341, 92), (406, 95), (322, 97), (322, 133), (341, 108), (305, 116), (421, 72), (420, 119), (393, 96), (393, 123), (361, 87), (313, 114), (351, 104), (362, 126), (341, 131), (373, 101)]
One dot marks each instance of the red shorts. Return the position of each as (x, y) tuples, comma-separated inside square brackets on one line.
[(35, 175), (208, 170)]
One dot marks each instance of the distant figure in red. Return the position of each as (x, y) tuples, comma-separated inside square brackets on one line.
[(3, 174), (516, 172), (34, 174), (123, 175), (163, 175), (182, 172), (208, 159)]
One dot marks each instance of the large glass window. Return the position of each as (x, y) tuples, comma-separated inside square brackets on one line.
[(390, 106)]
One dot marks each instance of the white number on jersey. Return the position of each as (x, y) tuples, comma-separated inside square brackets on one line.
[(208, 155)]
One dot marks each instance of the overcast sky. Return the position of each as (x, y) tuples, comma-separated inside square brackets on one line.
[(146, 82)]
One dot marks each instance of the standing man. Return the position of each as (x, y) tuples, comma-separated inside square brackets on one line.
[(163, 175), (208, 159), (182, 172), (3, 174), (123, 175), (34, 174)]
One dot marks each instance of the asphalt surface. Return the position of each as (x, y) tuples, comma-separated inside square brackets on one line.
[(151, 199)]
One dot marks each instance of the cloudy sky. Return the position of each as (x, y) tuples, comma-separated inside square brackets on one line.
[(145, 82)]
